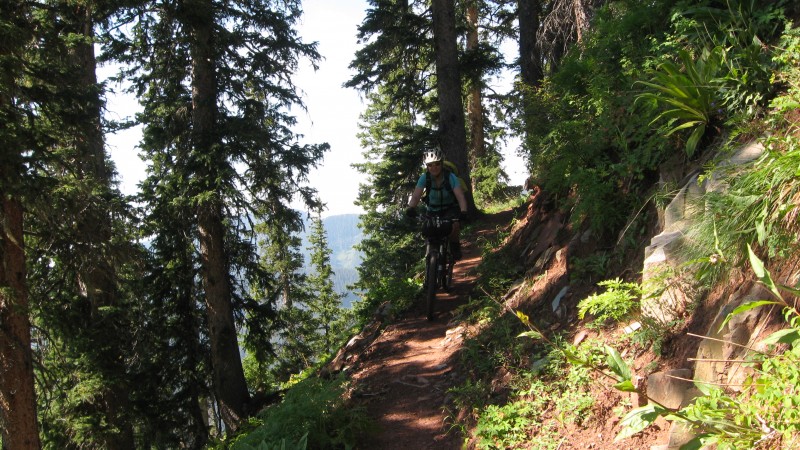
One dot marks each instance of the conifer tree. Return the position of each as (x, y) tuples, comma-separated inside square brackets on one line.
[(530, 61), (291, 333), (215, 81), (17, 394), (69, 200), (486, 25), (397, 71), (76, 225), (449, 89), (326, 303)]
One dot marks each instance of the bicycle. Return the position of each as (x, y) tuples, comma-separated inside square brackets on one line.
[(439, 261)]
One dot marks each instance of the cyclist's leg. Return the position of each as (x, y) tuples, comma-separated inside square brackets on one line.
[(455, 235)]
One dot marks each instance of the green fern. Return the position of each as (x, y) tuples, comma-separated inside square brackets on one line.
[(616, 303)]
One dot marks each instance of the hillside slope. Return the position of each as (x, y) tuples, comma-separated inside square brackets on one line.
[(405, 370), (454, 382)]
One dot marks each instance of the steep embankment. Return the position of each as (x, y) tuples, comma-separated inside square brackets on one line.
[(403, 369)]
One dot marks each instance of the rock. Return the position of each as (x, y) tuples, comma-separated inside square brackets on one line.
[(671, 392), (631, 327), (557, 300)]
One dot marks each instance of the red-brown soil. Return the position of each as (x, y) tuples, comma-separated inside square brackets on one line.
[(401, 374)]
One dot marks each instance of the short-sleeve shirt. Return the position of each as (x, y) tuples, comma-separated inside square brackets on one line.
[(440, 198)]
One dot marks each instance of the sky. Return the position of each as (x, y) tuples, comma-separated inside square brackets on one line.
[(332, 110)]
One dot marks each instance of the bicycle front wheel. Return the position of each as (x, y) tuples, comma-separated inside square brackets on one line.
[(430, 283)]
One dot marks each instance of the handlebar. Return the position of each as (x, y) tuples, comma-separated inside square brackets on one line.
[(426, 216)]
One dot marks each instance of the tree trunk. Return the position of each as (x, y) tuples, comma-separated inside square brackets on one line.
[(452, 133), (98, 279), (229, 382), (530, 60), (474, 104), (20, 429), (581, 22)]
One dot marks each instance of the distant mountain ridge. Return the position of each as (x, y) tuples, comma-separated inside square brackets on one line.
[(342, 234)]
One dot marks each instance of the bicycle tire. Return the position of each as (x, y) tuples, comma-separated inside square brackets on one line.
[(444, 275), (449, 277), (431, 281)]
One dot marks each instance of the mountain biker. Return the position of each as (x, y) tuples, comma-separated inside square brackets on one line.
[(444, 196)]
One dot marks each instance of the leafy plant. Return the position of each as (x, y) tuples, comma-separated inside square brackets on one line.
[(259, 440), (686, 89), (616, 303), (652, 334), (787, 56), (765, 412), (759, 205), (745, 29), (312, 414), (506, 426), (591, 266)]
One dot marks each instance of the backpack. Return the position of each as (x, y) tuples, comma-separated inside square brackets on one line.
[(451, 165), (429, 185)]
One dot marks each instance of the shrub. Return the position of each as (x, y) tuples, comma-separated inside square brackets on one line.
[(617, 302), (312, 414)]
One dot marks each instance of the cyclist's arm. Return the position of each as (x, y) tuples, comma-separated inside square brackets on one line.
[(415, 196), (462, 201)]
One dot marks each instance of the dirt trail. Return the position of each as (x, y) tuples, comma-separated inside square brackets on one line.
[(403, 376)]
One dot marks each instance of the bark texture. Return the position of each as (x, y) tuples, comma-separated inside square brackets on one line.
[(474, 100), (230, 386), (98, 279), (530, 60), (18, 421), (452, 124)]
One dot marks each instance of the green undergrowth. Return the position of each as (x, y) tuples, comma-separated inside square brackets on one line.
[(313, 414), (519, 392)]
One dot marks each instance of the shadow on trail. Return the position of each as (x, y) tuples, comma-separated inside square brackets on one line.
[(404, 385), (404, 375), (401, 372)]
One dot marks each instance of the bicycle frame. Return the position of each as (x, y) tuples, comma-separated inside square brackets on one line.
[(438, 260)]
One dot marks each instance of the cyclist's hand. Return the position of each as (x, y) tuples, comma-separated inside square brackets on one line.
[(411, 212)]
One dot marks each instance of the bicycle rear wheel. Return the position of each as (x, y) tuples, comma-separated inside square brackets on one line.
[(430, 283), (449, 273), (444, 274)]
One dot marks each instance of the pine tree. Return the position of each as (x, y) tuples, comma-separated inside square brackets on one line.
[(448, 88), (326, 303), (398, 72), (17, 394), (486, 27), (79, 219), (68, 201), (395, 71), (215, 82), (290, 335)]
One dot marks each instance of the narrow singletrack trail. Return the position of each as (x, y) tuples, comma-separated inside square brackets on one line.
[(403, 376)]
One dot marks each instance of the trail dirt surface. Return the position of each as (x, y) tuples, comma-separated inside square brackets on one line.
[(402, 378), (402, 368)]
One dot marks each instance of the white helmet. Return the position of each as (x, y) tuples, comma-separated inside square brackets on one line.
[(432, 156)]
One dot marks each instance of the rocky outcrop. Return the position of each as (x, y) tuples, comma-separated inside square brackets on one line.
[(663, 261), (723, 348)]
